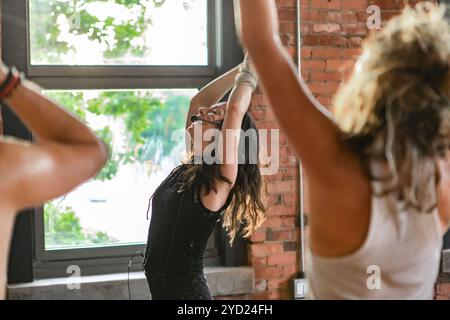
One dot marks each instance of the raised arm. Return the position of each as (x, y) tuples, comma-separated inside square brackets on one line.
[(237, 105), (212, 93), (65, 153), (307, 124)]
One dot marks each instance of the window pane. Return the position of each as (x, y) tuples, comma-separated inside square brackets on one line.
[(145, 133), (118, 32)]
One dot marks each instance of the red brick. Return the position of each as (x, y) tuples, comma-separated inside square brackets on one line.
[(387, 4), (352, 53), (326, 4), (274, 199), (289, 222), (354, 4), (327, 28), (288, 26), (286, 258), (290, 172), (290, 198), (287, 14), (281, 187), (325, 100), (326, 76), (443, 290), (258, 236), (347, 17), (291, 270), (313, 65), (278, 283), (260, 296), (281, 294), (354, 29), (269, 272), (336, 65), (334, 16), (286, 4), (288, 162), (282, 210), (265, 249), (310, 40), (258, 262), (280, 235), (272, 222), (306, 52), (323, 87), (325, 52), (355, 42)]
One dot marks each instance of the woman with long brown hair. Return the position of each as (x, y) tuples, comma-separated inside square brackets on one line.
[(220, 181), (378, 167)]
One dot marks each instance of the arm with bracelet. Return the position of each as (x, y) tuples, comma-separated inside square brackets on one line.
[(236, 108), (64, 153)]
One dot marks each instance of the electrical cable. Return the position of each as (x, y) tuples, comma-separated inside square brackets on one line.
[(137, 253)]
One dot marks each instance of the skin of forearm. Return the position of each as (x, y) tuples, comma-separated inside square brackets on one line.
[(46, 119), (213, 92), (240, 98), (216, 89), (237, 106), (255, 33)]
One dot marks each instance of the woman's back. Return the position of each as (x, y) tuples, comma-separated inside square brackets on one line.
[(399, 258)]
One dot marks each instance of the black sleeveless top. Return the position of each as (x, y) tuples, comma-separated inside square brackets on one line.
[(179, 231)]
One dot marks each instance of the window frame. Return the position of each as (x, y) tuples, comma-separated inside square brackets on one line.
[(223, 54)]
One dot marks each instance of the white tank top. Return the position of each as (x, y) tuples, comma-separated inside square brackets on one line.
[(399, 258)]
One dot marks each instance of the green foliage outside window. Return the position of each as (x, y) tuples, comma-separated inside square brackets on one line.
[(62, 228), (115, 36)]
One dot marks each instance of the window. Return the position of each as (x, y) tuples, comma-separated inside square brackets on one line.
[(128, 69), (144, 130), (93, 32)]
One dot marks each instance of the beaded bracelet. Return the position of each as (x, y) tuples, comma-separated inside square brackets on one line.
[(10, 84), (247, 77)]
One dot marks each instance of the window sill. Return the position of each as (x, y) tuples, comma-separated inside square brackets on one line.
[(223, 281)]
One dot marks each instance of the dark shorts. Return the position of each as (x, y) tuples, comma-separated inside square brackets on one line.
[(167, 287)]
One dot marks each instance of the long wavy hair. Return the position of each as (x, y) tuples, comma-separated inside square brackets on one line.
[(395, 106), (246, 211)]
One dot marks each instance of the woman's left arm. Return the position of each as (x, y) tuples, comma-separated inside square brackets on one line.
[(237, 106)]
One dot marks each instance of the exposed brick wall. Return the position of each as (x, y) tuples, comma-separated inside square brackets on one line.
[(443, 287), (443, 291), (332, 32)]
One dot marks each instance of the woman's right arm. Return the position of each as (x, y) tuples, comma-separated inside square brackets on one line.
[(65, 152), (211, 93), (308, 126)]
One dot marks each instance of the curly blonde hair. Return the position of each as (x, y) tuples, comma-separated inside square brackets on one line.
[(395, 106)]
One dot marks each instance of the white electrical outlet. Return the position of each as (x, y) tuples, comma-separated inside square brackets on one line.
[(300, 288)]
